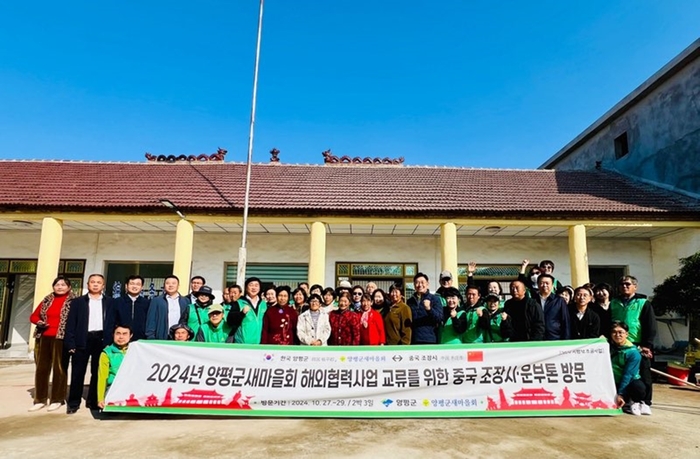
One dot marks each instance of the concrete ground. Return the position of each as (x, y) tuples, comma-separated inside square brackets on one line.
[(671, 432)]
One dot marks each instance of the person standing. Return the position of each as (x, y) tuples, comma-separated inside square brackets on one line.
[(345, 323), (246, 315), (494, 322), (635, 310), (525, 314), (166, 310), (86, 337), (50, 318), (556, 312), (601, 307), (197, 314), (398, 319), (426, 310), (314, 327), (196, 283), (280, 320), (131, 309), (371, 324), (584, 322), (454, 324)]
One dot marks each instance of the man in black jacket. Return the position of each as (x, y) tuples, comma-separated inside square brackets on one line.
[(85, 339), (525, 314), (131, 309)]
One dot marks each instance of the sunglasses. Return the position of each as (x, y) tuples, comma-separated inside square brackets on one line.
[(356, 293)]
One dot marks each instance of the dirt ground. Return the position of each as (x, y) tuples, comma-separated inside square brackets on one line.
[(671, 432)]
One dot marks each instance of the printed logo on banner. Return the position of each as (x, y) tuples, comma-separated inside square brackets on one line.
[(475, 356)]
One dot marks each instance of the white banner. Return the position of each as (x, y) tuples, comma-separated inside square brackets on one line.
[(562, 378)]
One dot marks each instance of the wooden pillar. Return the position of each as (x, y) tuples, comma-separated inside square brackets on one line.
[(448, 251), (47, 262), (317, 254), (182, 261), (578, 255)]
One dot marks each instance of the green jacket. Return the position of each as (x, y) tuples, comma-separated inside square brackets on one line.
[(449, 331), (625, 362), (250, 330), (473, 332), (208, 333), (110, 360), (197, 315)]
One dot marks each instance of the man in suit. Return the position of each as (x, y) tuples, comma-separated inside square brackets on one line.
[(131, 309), (166, 310), (86, 337)]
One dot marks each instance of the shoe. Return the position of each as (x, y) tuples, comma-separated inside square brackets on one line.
[(632, 408), (70, 410), (36, 407), (54, 406), (645, 409)]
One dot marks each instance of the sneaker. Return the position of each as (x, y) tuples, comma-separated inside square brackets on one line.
[(644, 409), (54, 406), (632, 408), (36, 407)]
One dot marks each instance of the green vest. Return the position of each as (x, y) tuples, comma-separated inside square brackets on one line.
[(448, 335), (213, 334), (115, 356), (197, 316), (473, 333), (250, 331), (494, 332), (630, 315)]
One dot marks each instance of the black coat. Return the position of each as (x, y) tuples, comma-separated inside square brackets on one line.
[(526, 318), (587, 327), (131, 313), (79, 319)]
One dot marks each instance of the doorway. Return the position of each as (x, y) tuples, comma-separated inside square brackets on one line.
[(21, 299)]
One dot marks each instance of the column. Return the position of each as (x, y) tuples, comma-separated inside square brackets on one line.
[(448, 246), (47, 262), (317, 254), (182, 262), (578, 255)]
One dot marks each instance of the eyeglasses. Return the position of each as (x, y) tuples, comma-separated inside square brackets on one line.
[(618, 332), (625, 284)]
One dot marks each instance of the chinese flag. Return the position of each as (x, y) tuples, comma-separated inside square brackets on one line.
[(475, 356)]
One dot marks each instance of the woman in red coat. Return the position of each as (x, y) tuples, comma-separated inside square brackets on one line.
[(345, 324), (50, 320), (371, 324)]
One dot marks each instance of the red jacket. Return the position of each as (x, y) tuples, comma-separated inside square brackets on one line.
[(373, 333), (345, 328)]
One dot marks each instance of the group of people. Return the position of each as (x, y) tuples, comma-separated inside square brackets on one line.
[(97, 329)]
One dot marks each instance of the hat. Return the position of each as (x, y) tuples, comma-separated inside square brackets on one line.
[(204, 290), (491, 297), (176, 327), (344, 284), (445, 275), (215, 308)]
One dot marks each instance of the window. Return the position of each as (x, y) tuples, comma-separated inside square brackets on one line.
[(154, 274), (621, 145)]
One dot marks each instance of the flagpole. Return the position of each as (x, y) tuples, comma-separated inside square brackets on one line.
[(242, 251)]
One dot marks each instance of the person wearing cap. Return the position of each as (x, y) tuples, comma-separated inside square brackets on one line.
[(197, 313), (454, 325), (180, 332), (214, 330), (314, 326), (344, 286), (280, 320), (445, 283), (566, 293), (245, 317), (494, 323)]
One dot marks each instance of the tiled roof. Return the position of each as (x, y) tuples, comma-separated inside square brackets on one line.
[(323, 190)]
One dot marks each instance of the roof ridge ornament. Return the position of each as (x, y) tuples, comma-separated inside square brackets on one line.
[(218, 156), (333, 160)]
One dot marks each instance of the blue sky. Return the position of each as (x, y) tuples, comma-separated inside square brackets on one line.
[(501, 84)]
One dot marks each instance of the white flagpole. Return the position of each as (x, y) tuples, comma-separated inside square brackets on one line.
[(242, 252)]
